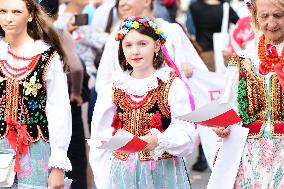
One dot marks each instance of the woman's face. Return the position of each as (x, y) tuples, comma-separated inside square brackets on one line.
[(270, 17), (139, 51), (14, 16), (128, 8)]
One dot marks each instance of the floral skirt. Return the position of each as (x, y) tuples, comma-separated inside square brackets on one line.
[(135, 174), (34, 165), (262, 165)]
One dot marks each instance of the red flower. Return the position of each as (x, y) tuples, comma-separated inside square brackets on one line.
[(119, 36), (156, 122), (116, 123)]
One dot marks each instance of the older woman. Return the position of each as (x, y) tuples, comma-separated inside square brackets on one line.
[(256, 90)]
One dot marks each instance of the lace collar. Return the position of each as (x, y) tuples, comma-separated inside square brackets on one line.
[(38, 47), (140, 87), (251, 51)]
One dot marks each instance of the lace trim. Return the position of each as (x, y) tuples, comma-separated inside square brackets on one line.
[(140, 87), (61, 163), (251, 52)]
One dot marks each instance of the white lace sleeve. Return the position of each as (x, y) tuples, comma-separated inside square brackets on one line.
[(178, 139), (58, 114)]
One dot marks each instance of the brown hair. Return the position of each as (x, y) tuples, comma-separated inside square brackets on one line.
[(253, 10), (41, 28), (158, 59)]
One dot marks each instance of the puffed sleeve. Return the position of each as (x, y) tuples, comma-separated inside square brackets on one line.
[(231, 86), (103, 113), (58, 114), (107, 65), (184, 52), (178, 139)]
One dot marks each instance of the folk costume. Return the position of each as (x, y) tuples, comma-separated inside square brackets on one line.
[(255, 89), (143, 106), (35, 115)]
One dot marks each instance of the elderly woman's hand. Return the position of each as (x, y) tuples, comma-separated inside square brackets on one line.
[(222, 132)]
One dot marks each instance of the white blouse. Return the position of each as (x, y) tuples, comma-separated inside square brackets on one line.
[(232, 74), (177, 139), (58, 108), (177, 43)]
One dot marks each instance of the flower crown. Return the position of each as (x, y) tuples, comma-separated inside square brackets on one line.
[(133, 22)]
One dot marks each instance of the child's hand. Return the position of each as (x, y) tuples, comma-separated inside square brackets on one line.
[(152, 142), (222, 132), (56, 179)]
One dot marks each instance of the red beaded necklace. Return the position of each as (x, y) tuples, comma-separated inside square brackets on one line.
[(19, 57), (17, 72), (267, 62)]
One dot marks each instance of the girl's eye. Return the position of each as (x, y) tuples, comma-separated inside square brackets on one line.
[(17, 11), (142, 43), (2, 11)]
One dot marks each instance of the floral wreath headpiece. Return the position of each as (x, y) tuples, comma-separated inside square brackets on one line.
[(133, 22)]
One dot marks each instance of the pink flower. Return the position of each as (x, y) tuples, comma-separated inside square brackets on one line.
[(256, 185)]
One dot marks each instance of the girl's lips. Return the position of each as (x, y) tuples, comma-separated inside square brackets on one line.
[(136, 59)]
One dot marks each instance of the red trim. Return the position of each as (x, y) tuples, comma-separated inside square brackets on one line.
[(224, 120)]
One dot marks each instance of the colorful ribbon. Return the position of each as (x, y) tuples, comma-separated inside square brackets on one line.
[(171, 64)]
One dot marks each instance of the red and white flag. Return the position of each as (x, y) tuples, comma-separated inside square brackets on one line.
[(125, 142), (213, 114)]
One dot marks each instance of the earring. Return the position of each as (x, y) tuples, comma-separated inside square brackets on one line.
[(30, 19), (156, 55)]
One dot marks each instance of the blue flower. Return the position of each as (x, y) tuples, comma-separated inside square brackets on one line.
[(33, 104)]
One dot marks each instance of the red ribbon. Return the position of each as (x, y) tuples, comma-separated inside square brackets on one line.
[(19, 139), (272, 53)]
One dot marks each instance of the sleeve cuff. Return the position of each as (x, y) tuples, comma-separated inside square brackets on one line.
[(60, 161)]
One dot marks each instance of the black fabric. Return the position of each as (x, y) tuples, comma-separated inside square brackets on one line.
[(77, 151), (208, 20)]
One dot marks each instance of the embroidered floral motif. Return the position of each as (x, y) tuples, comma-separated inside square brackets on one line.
[(2, 79), (32, 87), (156, 122), (33, 104)]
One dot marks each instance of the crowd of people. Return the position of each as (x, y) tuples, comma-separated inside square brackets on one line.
[(137, 66)]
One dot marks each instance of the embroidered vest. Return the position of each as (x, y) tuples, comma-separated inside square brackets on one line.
[(254, 101), (139, 117), (24, 99)]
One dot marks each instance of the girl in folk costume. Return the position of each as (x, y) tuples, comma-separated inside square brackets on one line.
[(144, 99), (256, 85), (35, 111)]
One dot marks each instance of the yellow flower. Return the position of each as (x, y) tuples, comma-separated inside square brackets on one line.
[(32, 87), (157, 31), (135, 25)]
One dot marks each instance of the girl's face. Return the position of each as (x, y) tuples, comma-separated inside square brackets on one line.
[(139, 51), (270, 17), (14, 16)]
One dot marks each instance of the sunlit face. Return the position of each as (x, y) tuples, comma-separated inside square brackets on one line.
[(139, 51), (14, 16), (128, 8), (270, 16)]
